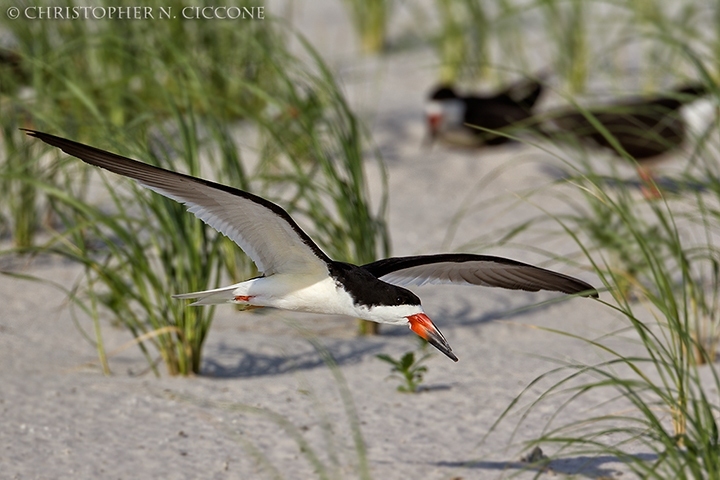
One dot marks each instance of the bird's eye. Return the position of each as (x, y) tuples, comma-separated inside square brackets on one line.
[(399, 300)]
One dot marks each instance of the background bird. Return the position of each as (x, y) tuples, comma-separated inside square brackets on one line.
[(643, 128), (297, 275), (461, 120)]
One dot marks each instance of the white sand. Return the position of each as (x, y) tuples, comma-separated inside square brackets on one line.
[(63, 419)]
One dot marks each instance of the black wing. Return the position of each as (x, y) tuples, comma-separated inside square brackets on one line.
[(265, 231), (471, 269)]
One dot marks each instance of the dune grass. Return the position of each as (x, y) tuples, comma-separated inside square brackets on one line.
[(21, 214), (665, 402), (658, 262), (323, 144), (133, 261), (583, 43), (462, 41), (84, 78), (181, 114), (118, 67), (370, 20)]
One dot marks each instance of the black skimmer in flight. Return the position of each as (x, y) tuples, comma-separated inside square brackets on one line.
[(297, 275), (455, 119), (645, 128)]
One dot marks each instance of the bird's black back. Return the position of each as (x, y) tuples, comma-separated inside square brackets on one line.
[(644, 127), (366, 289)]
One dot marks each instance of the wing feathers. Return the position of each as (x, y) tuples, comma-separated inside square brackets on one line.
[(475, 270), (261, 228), (276, 243)]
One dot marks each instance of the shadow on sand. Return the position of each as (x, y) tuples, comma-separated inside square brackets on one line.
[(585, 466), (351, 351), (253, 364)]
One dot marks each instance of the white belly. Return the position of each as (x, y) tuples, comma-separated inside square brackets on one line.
[(293, 292)]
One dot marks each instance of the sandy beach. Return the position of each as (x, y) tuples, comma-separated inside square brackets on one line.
[(267, 405)]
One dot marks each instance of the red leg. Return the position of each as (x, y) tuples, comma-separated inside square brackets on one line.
[(648, 188)]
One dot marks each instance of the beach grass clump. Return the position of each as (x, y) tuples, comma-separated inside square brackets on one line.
[(314, 148), (85, 77), (658, 262), (370, 20), (672, 404), (462, 40), (20, 217), (121, 66), (141, 248), (566, 26), (669, 251), (580, 43), (94, 80)]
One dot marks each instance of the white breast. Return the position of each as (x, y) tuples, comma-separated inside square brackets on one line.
[(317, 295), (298, 292)]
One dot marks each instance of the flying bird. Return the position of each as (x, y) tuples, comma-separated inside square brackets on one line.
[(645, 128), (464, 120), (297, 275)]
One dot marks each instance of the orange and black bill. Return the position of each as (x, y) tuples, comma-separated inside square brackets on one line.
[(424, 327)]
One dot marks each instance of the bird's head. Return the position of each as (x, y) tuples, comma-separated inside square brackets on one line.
[(442, 115), (435, 109), (383, 302), (434, 118), (405, 308)]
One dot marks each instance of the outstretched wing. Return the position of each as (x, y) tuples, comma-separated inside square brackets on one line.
[(265, 231), (468, 269)]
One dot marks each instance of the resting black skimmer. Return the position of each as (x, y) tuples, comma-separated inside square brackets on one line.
[(297, 275), (454, 119), (645, 128)]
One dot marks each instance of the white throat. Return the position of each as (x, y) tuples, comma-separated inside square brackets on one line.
[(451, 112)]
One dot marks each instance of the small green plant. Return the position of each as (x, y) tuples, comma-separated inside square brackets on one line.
[(409, 370)]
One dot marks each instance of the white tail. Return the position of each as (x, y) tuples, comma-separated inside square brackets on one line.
[(210, 297)]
